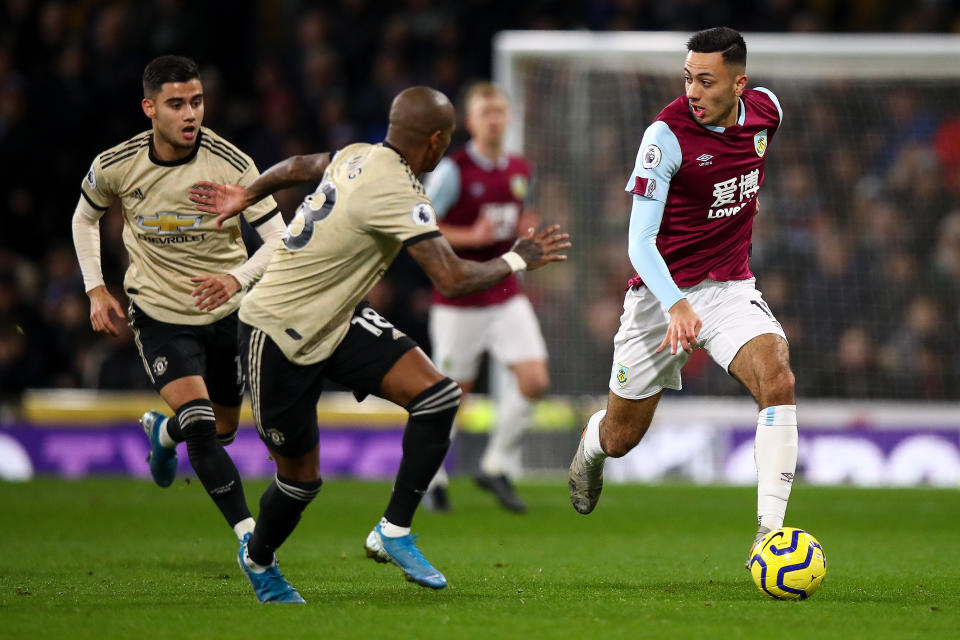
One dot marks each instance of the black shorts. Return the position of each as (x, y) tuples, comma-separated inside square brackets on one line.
[(284, 395), (174, 351)]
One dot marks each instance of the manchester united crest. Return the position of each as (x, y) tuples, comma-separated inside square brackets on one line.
[(760, 143)]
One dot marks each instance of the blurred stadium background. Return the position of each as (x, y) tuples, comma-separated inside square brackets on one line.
[(857, 247)]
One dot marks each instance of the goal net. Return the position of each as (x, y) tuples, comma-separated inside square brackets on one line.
[(857, 244)]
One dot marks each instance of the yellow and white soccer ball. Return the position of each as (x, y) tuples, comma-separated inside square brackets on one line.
[(788, 564)]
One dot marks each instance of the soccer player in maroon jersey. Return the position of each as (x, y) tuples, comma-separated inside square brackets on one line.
[(695, 184), (479, 193)]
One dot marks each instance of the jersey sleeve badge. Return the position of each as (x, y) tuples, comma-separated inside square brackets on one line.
[(760, 143), (91, 178), (423, 214), (518, 186), (651, 157)]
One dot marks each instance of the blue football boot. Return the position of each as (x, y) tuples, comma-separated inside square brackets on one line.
[(403, 552), (269, 585), (163, 461)]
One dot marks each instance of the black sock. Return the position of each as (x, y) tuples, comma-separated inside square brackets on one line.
[(211, 463), (173, 429), (280, 509), (425, 443), (227, 438)]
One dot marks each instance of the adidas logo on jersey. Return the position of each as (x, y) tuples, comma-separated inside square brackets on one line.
[(705, 159), (138, 194)]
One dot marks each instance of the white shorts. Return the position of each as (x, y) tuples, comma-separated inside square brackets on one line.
[(732, 313), (508, 331)]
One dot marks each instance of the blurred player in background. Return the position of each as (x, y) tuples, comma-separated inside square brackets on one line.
[(184, 276), (479, 193), (304, 322), (695, 185)]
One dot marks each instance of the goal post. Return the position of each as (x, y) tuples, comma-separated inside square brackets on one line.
[(810, 56), (852, 246)]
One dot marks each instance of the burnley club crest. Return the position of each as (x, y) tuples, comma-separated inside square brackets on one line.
[(760, 143)]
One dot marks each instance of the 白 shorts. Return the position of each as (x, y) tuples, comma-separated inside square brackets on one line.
[(732, 313), (284, 394), (508, 331), (173, 351)]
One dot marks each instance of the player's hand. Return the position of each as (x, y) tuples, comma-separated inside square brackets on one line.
[(213, 289), (683, 330), (225, 200), (538, 249), (101, 304)]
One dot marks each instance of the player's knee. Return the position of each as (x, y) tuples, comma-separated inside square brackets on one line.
[(300, 489), (437, 404), (778, 388), (199, 426), (534, 385)]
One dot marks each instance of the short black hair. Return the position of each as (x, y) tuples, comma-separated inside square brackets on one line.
[(168, 69), (723, 39)]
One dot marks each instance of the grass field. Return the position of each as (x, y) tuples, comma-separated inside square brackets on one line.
[(115, 558)]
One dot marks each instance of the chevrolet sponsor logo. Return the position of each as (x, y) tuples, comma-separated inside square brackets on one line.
[(166, 222)]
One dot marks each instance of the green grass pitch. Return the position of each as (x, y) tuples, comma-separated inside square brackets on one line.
[(116, 558)]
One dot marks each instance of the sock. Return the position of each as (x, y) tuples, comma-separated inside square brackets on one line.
[(170, 434), (280, 508), (227, 438), (591, 438), (254, 566), (425, 443), (244, 527), (503, 454), (391, 530), (775, 452), (210, 461)]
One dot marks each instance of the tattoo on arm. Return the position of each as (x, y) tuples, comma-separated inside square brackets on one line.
[(290, 172), (453, 276)]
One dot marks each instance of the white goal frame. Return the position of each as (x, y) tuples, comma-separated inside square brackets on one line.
[(853, 56)]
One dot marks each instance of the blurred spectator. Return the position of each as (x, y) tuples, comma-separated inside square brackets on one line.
[(852, 236)]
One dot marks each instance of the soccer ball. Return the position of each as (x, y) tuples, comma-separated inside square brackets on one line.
[(788, 564)]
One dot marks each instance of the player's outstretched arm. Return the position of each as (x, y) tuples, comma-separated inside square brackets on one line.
[(227, 200), (454, 277)]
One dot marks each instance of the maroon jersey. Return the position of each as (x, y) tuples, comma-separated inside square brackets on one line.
[(710, 180), (495, 191)]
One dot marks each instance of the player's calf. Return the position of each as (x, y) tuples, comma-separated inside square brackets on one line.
[(426, 440), (281, 506), (213, 466)]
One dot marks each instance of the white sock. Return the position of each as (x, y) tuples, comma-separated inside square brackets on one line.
[(503, 455), (244, 527), (165, 440), (591, 438), (391, 530), (775, 452)]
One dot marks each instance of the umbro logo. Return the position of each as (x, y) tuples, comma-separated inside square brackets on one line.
[(786, 476), (138, 194), (705, 159)]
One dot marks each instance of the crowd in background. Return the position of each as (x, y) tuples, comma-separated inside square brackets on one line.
[(857, 248)]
